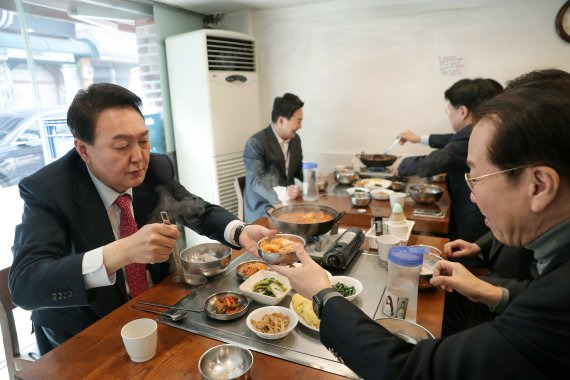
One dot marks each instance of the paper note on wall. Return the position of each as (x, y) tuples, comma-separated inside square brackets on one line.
[(452, 65)]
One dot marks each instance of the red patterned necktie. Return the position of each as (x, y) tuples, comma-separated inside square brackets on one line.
[(136, 273)]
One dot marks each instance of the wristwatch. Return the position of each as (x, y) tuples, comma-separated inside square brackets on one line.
[(321, 298), (237, 233)]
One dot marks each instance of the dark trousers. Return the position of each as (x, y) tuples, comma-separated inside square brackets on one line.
[(47, 339)]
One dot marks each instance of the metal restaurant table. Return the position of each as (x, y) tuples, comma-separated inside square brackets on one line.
[(98, 351)]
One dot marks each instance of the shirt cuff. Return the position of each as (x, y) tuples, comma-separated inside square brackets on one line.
[(93, 270), (502, 305), (228, 236), (424, 139)]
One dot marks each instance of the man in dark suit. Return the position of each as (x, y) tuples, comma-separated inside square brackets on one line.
[(511, 268), (520, 179), (273, 157), (466, 221), (87, 240)]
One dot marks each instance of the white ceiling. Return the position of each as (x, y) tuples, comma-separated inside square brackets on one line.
[(226, 6)]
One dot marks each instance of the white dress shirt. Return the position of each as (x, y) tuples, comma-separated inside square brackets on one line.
[(93, 270), (285, 149)]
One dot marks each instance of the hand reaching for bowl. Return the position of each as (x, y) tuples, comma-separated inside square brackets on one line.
[(251, 234), (460, 248), (395, 166), (452, 276), (307, 280)]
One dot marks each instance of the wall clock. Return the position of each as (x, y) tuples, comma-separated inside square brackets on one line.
[(562, 22)]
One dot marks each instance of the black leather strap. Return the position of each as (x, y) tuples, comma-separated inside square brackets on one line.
[(237, 233)]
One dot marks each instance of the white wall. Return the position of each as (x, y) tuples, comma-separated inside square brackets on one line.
[(367, 71)]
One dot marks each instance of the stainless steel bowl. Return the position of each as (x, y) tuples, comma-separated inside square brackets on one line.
[(240, 267), (210, 306), (226, 361), (427, 270), (193, 259), (285, 258), (360, 198), (425, 194), (346, 176), (397, 185), (409, 331)]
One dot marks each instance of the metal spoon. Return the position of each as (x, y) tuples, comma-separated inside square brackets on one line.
[(175, 317), (182, 277), (391, 146)]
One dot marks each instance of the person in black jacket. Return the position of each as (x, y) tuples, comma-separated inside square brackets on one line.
[(466, 222), (520, 179), (72, 251)]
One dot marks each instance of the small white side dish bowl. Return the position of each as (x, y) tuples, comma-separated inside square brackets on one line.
[(348, 281), (352, 190), (381, 194), (259, 313), (247, 287)]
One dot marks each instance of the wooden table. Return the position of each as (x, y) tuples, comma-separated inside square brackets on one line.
[(98, 352), (335, 196)]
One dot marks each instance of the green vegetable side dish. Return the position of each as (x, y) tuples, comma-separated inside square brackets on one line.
[(346, 291), (269, 287)]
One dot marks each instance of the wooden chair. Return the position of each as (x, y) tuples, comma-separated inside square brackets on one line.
[(14, 360), (239, 186)]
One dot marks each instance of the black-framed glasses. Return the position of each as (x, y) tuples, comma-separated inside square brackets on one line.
[(472, 180)]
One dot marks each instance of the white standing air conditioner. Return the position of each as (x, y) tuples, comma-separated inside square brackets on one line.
[(215, 109)]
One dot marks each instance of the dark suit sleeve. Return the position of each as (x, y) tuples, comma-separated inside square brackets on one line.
[(44, 273), (192, 211), (529, 340), (514, 286), (451, 157), (438, 141), (255, 163)]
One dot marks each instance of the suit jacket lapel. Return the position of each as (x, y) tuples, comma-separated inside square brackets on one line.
[(275, 148), (92, 216)]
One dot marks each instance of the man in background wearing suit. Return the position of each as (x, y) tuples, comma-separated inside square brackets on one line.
[(466, 221), (273, 157), (89, 237)]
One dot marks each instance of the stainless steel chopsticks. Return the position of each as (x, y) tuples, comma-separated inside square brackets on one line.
[(168, 306)]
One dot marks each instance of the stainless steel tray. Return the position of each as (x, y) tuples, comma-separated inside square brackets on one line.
[(302, 345)]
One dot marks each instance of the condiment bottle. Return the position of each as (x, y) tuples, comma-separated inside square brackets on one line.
[(400, 298), (310, 185)]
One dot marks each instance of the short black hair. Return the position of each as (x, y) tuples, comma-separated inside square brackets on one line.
[(537, 75), (532, 122), (471, 92), (285, 106), (88, 104)]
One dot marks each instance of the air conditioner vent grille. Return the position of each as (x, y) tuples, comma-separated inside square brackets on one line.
[(230, 54)]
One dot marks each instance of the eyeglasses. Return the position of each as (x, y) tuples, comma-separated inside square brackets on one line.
[(471, 181)]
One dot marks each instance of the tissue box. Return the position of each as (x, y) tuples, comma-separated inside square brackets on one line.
[(371, 237)]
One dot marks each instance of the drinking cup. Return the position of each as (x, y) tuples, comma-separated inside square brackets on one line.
[(399, 198), (140, 339), (398, 229), (384, 243)]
